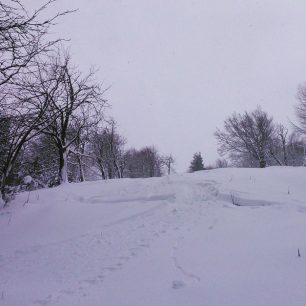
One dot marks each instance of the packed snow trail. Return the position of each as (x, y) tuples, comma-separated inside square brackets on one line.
[(221, 237)]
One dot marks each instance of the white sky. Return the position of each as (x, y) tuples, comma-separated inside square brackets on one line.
[(178, 68)]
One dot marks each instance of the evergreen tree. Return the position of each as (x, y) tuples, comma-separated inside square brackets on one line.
[(196, 163)]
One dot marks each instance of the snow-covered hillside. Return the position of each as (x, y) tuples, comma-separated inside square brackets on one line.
[(220, 237)]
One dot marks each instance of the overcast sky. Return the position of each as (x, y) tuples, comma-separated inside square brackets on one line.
[(178, 68)]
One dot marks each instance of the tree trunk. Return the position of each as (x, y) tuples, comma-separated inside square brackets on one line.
[(63, 175), (285, 154), (6, 172), (110, 173), (262, 163), (81, 174), (169, 168), (121, 170), (10, 161), (2, 187), (102, 169), (117, 169)]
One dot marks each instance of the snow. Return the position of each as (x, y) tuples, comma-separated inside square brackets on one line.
[(27, 179), (176, 240)]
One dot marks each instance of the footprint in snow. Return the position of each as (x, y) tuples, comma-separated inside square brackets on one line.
[(178, 284), (67, 291), (90, 281)]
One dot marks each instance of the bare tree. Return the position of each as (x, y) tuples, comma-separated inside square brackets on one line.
[(278, 145), (24, 116), (22, 41), (145, 162), (99, 150), (282, 133), (243, 160), (249, 133), (76, 104), (79, 151), (22, 37), (296, 149), (221, 163), (151, 162), (300, 110), (168, 161), (108, 151), (301, 115), (116, 146)]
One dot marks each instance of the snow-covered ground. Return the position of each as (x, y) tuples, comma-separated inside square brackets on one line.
[(175, 240)]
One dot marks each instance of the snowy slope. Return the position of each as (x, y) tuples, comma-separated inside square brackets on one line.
[(175, 240)]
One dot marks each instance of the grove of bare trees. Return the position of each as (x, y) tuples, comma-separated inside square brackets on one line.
[(253, 139), (53, 123), (23, 41)]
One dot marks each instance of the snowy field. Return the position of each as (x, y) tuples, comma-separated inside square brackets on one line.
[(222, 237)]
